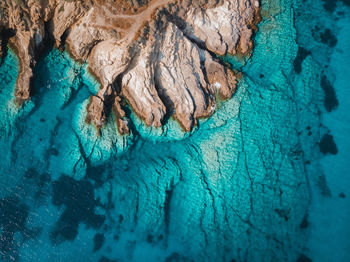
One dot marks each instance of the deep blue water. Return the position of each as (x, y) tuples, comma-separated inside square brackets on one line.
[(266, 178)]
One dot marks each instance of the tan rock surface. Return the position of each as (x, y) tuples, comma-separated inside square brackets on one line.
[(158, 55)]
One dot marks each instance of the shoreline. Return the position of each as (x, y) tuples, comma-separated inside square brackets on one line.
[(247, 43)]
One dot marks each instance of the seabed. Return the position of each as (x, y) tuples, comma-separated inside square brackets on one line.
[(265, 178)]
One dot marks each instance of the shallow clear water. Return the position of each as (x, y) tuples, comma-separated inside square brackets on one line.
[(264, 179)]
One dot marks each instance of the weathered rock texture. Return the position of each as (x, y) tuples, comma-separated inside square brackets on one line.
[(158, 55)]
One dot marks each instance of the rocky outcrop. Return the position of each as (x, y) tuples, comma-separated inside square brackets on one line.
[(27, 19), (159, 56)]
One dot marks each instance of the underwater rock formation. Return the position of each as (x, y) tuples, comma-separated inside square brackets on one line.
[(159, 56)]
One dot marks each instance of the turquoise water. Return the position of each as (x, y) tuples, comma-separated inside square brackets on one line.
[(263, 179)]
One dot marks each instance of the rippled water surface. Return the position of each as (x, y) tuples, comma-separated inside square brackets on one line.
[(266, 178)]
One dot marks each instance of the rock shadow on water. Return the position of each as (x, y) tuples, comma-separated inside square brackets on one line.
[(5, 35), (78, 199)]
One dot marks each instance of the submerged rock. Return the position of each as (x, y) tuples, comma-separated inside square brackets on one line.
[(159, 56)]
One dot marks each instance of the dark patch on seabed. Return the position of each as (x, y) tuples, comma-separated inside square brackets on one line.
[(304, 258), (330, 5), (78, 199), (328, 38), (39, 182), (325, 36), (99, 240), (322, 185), (342, 195), (302, 54), (330, 99), (305, 223), (176, 257), (327, 145), (105, 259), (282, 213)]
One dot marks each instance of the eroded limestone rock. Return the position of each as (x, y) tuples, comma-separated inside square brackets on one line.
[(159, 56)]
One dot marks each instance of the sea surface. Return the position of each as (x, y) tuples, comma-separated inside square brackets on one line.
[(266, 178)]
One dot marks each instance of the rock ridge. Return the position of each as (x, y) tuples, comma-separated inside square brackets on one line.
[(160, 57)]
